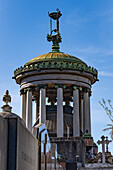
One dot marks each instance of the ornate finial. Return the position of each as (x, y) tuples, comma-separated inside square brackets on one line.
[(7, 97), (56, 39)]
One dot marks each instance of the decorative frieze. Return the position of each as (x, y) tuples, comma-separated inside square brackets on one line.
[(55, 65)]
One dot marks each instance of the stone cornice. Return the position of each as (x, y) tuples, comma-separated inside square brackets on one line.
[(61, 65)]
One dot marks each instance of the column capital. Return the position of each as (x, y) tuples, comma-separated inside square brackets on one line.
[(42, 86), (87, 90), (23, 91), (77, 87), (60, 86)]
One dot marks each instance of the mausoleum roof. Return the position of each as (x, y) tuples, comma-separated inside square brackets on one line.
[(55, 60), (55, 56)]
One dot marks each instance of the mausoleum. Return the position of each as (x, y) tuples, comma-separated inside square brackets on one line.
[(60, 84)]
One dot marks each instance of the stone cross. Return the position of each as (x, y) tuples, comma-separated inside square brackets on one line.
[(107, 143), (103, 147)]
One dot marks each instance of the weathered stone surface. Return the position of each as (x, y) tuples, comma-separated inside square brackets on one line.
[(18, 147), (70, 147), (3, 144), (27, 149)]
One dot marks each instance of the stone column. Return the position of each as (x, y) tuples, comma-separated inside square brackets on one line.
[(76, 119), (60, 122), (29, 110), (36, 108), (89, 116), (23, 107), (81, 113), (86, 111), (42, 107)]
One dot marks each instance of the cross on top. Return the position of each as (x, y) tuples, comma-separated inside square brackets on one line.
[(103, 142), (107, 143)]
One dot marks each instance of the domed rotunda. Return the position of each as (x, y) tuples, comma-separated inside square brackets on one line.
[(60, 84)]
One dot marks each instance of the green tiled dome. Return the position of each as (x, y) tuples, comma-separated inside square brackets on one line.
[(55, 56), (55, 60)]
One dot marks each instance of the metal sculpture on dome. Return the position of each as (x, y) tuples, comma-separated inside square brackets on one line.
[(56, 39)]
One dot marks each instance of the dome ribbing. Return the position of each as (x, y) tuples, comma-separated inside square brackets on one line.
[(55, 56)]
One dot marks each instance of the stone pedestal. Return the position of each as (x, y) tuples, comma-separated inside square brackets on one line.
[(70, 147)]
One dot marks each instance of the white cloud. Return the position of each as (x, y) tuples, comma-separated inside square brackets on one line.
[(107, 74), (75, 19), (92, 50)]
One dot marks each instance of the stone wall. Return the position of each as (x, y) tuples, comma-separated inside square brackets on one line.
[(27, 149), (3, 144), (18, 147), (70, 148)]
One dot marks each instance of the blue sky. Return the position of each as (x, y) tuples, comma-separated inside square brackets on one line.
[(86, 27)]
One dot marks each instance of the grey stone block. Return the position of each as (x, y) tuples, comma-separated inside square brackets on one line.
[(18, 147), (27, 149), (3, 143)]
